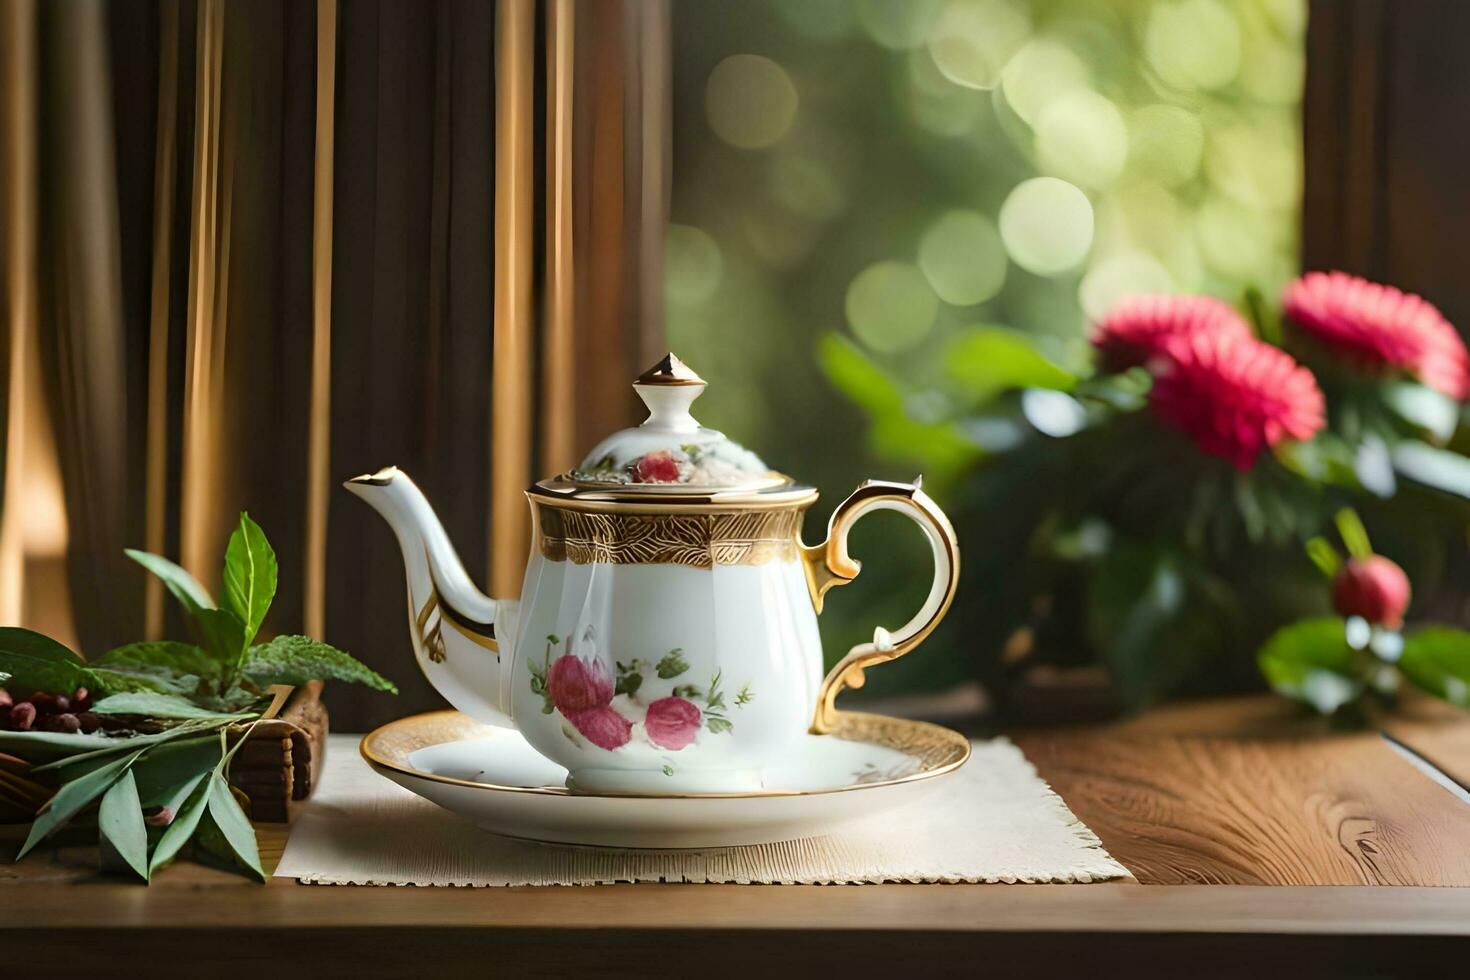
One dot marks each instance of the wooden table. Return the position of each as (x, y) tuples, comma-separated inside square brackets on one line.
[(1257, 838)]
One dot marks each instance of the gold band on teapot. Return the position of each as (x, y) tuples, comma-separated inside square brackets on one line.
[(692, 539)]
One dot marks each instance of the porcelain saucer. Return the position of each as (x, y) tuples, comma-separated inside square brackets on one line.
[(870, 765)]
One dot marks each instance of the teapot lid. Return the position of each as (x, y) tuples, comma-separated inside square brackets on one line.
[(671, 451)]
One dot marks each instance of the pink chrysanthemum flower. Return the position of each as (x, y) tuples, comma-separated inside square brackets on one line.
[(1139, 328), (1235, 396), (1380, 326)]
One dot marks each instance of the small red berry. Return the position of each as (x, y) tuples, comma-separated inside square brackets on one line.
[(1374, 588), (90, 721), (81, 699), (23, 716), (160, 816), (5, 699), (656, 467)]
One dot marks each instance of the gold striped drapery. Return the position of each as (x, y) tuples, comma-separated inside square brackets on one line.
[(262, 247)]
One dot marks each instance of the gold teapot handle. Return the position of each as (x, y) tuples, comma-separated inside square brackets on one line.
[(828, 564)]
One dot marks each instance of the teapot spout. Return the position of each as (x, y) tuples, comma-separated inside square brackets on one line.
[(460, 635)]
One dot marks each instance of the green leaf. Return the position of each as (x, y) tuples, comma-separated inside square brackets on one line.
[(1433, 467), (166, 773), (72, 798), (1136, 599), (1354, 535), (34, 661), (156, 705), (111, 746), (1324, 556), (14, 639), (120, 821), (672, 665), (989, 360), (180, 658), (224, 635), (1424, 408), (159, 680), (1437, 659), (298, 659), (186, 819), (717, 725), (864, 384), (184, 586), (249, 576), (165, 667), (1124, 392), (234, 825), (1311, 661), (42, 674), (36, 746), (1325, 459)]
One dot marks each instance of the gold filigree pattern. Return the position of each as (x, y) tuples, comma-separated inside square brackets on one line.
[(432, 638), (747, 537)]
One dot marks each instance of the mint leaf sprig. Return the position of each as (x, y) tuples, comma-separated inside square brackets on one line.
[(249, 576), (157, 772)]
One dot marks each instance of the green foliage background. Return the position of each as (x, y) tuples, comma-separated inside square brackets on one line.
[(897, 115)]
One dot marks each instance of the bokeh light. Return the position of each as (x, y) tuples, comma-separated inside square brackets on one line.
[(1193, 44), (806, 186), (1118, 276), (1273, 71), (1144, 216), (898, 25), (822, 20), (1043, 69), (890, 306), (1166, 142), (972, 40), (693, 266), (776, 236), (1081, 137), (750, 101), (1123, 147), (962, 256), (1253, 161), (1232, 240), (1046, 225), (935, 103)]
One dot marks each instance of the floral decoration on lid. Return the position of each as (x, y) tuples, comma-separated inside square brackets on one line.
[(671, 448)]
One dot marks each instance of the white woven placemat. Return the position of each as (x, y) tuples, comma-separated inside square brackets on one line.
[(995, 821)]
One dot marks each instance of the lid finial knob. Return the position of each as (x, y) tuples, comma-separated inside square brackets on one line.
[(668, 389)]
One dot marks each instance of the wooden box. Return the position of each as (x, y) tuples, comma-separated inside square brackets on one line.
[(282, 761)]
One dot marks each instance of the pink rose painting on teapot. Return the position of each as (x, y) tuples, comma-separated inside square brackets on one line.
[(605, 705)]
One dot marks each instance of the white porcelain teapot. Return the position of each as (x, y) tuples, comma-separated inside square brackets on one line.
[(665, 641)]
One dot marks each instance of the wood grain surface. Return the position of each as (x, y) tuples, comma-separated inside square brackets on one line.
[(1250, 792), (1247, 792), (238, 929)]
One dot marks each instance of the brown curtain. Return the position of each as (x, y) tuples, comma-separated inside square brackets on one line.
[(253, 249)]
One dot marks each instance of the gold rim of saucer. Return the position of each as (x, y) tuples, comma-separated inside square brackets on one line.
[(938, 749)]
